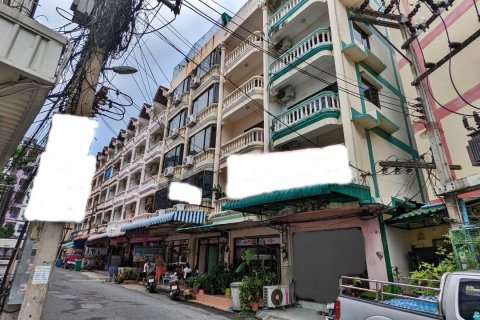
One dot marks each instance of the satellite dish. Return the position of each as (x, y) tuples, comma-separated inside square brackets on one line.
[(277, 297)]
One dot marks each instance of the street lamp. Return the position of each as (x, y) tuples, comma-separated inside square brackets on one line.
[(122, 69)]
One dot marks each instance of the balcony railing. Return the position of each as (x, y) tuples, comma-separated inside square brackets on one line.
[(154, 150), (243, 92), (250, 138), (148, 183), (319, 103), (138, 163), (207, 155), (314, 40), (132, 192), (211, 110), (285, 10), (218, 205), (254, 39)]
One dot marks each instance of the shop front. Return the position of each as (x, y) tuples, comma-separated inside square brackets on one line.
[(266, 250), (210, 253)]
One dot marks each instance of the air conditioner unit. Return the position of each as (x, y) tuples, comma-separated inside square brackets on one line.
[(286, 94), (179, 207), (168, 172), (188, 161), (276, 296), (192, 120), (176, 99), (174, 133), (195, 83)]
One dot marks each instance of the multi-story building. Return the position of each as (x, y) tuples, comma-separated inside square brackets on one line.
[(279, 77), (23, 183)]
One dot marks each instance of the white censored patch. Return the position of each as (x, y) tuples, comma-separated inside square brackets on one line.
[(253, 174), (62, 185), (185, 192)]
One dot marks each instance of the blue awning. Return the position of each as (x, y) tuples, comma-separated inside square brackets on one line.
[(183, 216)]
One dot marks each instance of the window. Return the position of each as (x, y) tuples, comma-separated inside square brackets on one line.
[(212, 59), (360, 36), (183, 87), (370, 92), (205, 99), (162, 201), (178, 121), (108, 173), (202, 140), (468, 298), (174, 157), (203, 180)]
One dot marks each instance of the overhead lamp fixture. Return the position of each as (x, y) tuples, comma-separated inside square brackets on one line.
[(122, 69)]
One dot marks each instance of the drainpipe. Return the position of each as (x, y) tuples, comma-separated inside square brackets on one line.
[(266, 95), (218, 138)]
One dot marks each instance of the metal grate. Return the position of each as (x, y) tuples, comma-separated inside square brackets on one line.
[(466, 246)]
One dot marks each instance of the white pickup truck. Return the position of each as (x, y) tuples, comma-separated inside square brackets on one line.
[(458, 297)]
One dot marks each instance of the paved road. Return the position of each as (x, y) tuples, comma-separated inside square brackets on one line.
[(75, 296)]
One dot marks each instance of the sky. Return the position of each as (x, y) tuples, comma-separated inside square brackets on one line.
[(157, 55)]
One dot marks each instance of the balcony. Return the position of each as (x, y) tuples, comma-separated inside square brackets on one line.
[(245, 58), (206, 115), (29, 65), (319, 114), (154, 151), (210, 77), (124, 171), (184, 103), (204, 158), (251, 92), (359, 52), (141, 136), (130, 143), (156, 121), (113, 228), (306, 57), (132, 193), (148, 185), (250, 141), (109, 202), (137, 164), (119, 197), (292, 16)]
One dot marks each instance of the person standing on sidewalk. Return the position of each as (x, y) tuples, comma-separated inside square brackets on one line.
[(146, 270), (159, 268)]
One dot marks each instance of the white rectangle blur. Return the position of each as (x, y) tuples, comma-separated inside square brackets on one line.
[(185, 192), (253, 174), (62, 185)]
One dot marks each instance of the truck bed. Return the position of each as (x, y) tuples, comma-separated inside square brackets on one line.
[(364, 309)]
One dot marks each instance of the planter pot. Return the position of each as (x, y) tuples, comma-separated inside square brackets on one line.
[(228, 292), (254, 306), (201, 291), (260, 303), (196, 290), (218, 195)]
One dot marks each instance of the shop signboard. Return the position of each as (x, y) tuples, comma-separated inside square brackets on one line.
[(93, 251), (257, 241), (145, 251)]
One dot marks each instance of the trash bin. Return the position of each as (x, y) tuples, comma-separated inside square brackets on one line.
[(236, 303), (78, 265), (58, 263)]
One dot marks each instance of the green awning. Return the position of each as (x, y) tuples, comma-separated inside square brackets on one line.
[(420, 218), (68, 244), (275, 199)]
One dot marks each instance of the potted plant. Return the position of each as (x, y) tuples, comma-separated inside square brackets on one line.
[(218, 192)]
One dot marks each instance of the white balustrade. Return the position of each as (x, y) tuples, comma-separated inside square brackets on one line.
[(282, 11), (321, 102), (249, 44), (211, 110), (315, 39), (243, 92), (206, 155), (250, 138)]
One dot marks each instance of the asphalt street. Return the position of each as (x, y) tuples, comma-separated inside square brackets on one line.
[(76, 296)]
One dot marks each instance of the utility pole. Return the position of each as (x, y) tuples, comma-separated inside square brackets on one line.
[(439, 156), (433, 134), (52, 232)]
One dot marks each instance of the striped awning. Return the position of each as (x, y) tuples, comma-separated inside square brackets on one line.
[(182, 216), (97, 236)]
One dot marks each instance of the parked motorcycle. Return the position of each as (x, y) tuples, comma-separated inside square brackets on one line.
[(151, 283), (178, 289)]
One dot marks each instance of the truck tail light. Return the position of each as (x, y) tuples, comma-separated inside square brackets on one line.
[(337, 309)]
